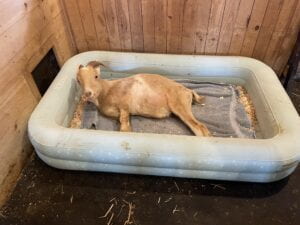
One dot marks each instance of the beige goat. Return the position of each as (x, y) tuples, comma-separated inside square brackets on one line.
[(148, 95)]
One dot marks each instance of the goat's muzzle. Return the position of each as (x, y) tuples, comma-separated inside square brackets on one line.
[(87, 94)]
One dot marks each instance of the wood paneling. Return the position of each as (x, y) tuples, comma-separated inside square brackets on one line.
[(16, 8), (229, 17), (88, 24), (203, 14), (28, 30), (75, 21), (254, 28), (160, 22), (136, 21), (284, 18), (288, 41), (124, 24), (174, 25), (111, 24), (148, 14), (214, 26), (241, 25), (100, 24), (190, 16), (267, 28)]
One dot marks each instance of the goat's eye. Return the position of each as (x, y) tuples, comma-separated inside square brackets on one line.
[(96, 77)]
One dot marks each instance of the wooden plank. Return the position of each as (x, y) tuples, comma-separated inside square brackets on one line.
[(215, 22), (148, 15), (14, 167), (51, 8), (63, 43), (13, 11), (240, 26), (291, 71), (28, 57), (10, 94), (288, 42), (14, 124), (112, 24), (13, 81), (189, 27), (33, 61), (229, 17), (88, 24), (57, 25), (280, 30), (174, 25), (24, 64), (22, 61), (136, 24), (16, 153), (26, 41), (267, 28), (76, 25), (256, 19), (62, 46), (100, 24), (203, 14), (124, 24), (67, 28), (21, 103), (160, 21), (26, 28)]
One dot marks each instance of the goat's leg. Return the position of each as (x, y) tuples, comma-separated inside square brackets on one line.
[(197, 98), (124, 121), (188, 118), (77, 117), (183, 110)]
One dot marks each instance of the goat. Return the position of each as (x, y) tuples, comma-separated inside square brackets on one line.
[(148, 95)]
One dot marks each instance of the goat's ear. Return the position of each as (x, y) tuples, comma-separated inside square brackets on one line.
[(80, 66), (96, 65), (98, 71)]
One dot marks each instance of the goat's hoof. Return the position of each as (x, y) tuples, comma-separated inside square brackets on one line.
[(75, 124), (125, 130), (207, 134)]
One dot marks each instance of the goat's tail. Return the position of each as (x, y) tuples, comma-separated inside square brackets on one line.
[(197, 98)]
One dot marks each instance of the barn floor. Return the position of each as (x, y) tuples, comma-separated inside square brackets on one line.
[(45, 195)]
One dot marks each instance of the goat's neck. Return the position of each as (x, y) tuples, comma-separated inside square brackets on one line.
[(104, 86)]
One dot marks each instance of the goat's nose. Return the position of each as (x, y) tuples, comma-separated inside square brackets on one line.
[(88, 93)]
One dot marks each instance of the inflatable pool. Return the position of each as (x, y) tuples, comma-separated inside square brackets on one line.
[(273, 155)]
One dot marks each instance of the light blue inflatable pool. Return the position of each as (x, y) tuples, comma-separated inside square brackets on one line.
[(272, 157)]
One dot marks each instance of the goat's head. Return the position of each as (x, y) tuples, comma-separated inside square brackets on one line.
[(88, 77)]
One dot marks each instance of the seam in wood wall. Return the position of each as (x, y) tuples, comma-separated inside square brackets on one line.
[(262, 29)]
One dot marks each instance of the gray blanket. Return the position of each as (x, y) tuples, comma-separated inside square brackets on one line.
[(221, 111)]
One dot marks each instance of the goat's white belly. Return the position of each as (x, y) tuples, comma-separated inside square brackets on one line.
[(150, 107), (147, 102), (110, 111)]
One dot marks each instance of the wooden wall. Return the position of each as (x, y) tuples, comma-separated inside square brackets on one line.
[(28, 30), (263, 29)]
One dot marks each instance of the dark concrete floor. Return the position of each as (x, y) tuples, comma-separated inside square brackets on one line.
[(45, 195)]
